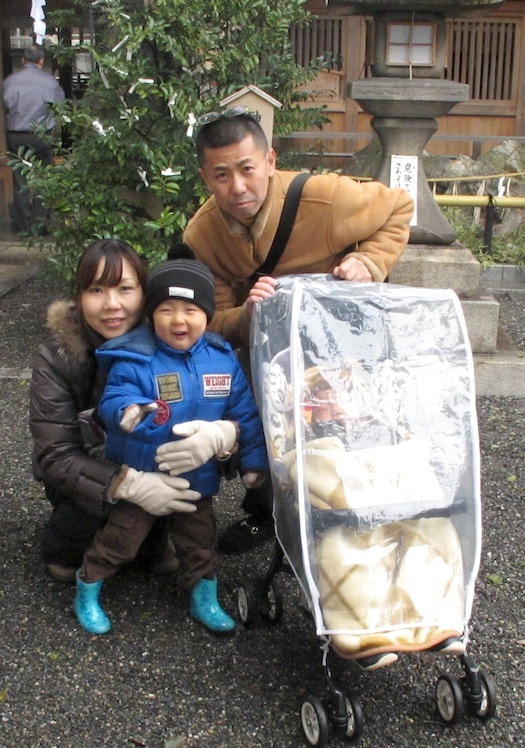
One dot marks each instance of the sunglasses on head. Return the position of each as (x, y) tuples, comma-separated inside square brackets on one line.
[(234, 111)]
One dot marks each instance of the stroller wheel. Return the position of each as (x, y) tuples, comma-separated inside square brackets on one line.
[(487, 709), (449, 699), (272, 606), (247, 603), (314, 721), (354, 723)]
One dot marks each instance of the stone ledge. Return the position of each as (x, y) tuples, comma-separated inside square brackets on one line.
[(500, 374), (503, 277), (482, 321), (18, 263), (15, 274), (424, 266)]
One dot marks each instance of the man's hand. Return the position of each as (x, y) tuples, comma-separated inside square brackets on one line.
[(134, 414), (204, 440), (263, 288), (352, 269), (156, 493)]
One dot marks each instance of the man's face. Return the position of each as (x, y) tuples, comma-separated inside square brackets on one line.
[(238, 176)]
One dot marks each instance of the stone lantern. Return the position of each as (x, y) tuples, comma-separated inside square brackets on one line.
[(407, 91)]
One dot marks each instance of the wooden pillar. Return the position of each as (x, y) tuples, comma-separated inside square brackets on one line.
[(520, 67), (65, 72), (353, 56), (6, 179), (2, 113)]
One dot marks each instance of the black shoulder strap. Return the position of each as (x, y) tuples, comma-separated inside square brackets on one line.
[(284, 229)]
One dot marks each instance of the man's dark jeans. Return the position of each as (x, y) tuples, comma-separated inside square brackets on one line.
[(257, 501), (29, 212)]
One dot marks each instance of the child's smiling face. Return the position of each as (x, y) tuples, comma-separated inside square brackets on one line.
[(179, 323)]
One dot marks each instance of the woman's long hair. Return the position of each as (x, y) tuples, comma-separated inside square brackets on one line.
[(113, 251)]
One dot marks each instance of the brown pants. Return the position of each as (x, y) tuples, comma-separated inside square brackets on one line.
[(117, 543)]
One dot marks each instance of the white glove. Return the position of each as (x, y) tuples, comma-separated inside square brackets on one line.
[(134, 414), (205, 439), (156, 493)]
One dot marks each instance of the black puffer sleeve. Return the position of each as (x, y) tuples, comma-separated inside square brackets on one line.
[(60, 388)]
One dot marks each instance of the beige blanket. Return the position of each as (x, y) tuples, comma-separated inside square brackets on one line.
[(397, 586)]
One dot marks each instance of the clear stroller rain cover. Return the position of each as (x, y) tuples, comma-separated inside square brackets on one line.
[(367, 397)]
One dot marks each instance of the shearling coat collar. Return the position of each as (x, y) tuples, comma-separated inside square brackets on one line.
[(256, 229)]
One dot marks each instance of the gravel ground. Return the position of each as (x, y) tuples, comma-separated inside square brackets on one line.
[(161, 680)]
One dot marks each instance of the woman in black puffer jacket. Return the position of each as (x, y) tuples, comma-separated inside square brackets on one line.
[(66, 385)]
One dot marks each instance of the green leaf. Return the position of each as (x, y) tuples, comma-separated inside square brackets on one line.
[(495, 579)]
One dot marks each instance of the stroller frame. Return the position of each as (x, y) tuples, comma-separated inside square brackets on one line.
[(339, 710), (317, 335)]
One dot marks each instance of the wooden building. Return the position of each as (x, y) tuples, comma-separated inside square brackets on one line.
[(486, 52), (16, 32)]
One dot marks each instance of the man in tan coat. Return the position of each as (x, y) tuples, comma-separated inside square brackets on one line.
[(355, 231)]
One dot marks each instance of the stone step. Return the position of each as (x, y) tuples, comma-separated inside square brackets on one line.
[(454, 267), (500, 374), (503, 278), (19, 263), (482, 320), (425, 266)]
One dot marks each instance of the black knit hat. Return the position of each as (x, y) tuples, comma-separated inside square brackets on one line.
[(186, 279)]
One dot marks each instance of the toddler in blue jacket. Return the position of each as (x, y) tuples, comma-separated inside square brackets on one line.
[(172, 381)]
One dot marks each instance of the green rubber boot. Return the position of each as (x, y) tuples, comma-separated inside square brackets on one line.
[(87, 608), (206, 609)]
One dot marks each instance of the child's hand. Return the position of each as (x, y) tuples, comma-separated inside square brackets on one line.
[(134, 414), (202, 441), (263, 288), (254, 478)]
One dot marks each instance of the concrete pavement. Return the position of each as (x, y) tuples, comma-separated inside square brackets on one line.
[(17, 263)]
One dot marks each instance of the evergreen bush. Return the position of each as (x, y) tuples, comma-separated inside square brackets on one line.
[(129, 168)]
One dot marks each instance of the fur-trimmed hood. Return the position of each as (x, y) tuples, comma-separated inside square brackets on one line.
[(74, 338)]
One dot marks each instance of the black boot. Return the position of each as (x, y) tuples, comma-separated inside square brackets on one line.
[(246, 534)]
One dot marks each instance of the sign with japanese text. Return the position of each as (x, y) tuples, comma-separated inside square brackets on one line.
[(403, 173)]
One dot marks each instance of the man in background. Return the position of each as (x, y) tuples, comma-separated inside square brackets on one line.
[(28, 95)]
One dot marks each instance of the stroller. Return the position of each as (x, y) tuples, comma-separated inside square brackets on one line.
[(367, 399)]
